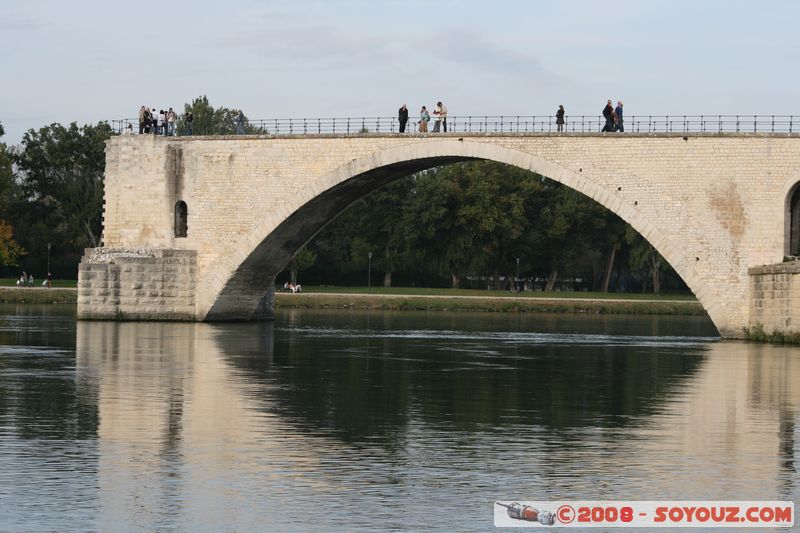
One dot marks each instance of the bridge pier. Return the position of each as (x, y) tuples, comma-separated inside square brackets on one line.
[(775, 297), (137, 284)]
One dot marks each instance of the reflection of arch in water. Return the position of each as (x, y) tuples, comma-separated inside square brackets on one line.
[(371, 383)]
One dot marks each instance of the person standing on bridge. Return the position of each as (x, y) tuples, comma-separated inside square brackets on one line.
[(608, 113), (443, 115), (171, 118), (560, 118), (424, 118), (148, 120), (618, 126), (154, 121), (142, 119), (240, 123), (402, 116)]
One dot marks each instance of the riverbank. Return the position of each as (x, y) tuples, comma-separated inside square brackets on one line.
[(38, 295), (399, 299), (523, 303)]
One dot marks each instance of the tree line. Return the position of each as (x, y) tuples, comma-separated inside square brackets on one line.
[(465, 225), (461, 225)]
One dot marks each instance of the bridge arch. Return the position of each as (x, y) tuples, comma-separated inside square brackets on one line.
[(270, 246)]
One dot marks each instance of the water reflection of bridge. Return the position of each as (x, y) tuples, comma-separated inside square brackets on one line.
[(186, 410)]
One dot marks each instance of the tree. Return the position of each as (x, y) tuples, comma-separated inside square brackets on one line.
[(208, 120), (383, 230), (10, 251), (646, 259), (474, 219), (8, 186), (301, 261), (60, 175)]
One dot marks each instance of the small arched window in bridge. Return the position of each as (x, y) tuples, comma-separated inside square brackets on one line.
[(794, 221), (181, 219)]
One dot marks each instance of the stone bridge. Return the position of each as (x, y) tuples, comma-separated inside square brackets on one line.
[(197, 228)]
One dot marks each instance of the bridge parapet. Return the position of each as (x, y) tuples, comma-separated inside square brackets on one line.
[(499, 124)]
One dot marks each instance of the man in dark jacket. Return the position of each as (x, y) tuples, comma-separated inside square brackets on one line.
[(608, 113), (402, 116)]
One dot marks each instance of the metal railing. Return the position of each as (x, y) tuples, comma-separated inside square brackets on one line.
[(501, 124)]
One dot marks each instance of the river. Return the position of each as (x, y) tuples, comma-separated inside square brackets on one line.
[(389, 421)]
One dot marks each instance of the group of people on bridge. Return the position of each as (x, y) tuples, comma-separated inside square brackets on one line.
[(439, 118), (159, 123), (612, 115)]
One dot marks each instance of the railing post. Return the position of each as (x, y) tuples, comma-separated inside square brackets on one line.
[(719, 118), (583, 129), (517, 123), (755, 123), (791, 117), (305, 127), (702, 124), (773, 123), (737, 123)]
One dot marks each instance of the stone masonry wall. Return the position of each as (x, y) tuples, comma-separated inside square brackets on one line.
[(713, 205), (775, 296), (137, 284)]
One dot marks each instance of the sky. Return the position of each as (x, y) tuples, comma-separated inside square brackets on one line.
[(87, 60)]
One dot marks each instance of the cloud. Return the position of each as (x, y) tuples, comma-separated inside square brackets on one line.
[(20, 23), (471, 49), (321, 45)]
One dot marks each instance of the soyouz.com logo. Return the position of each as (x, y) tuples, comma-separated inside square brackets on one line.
[(716, 514)]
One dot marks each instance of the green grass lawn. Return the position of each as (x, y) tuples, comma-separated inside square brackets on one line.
[(420, 291), (37, 282)]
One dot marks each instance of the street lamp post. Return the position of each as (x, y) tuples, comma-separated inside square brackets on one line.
[(516, 277), (369, 270), (47, 277)]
